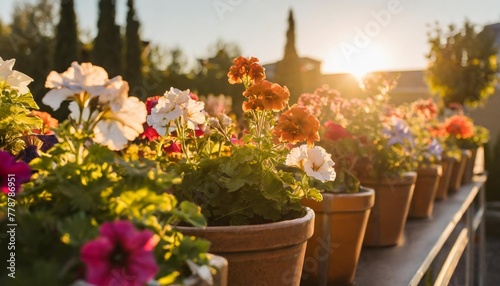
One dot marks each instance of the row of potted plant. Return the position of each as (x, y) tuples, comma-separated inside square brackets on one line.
[(390, 161), (139, 193)]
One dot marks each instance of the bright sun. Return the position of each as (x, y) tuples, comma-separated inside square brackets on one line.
[(369, 59)]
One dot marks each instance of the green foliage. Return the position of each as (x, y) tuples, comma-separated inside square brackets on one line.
[(462, 64), (250, 185), (246, 187), (14, 119), (29, 39), (76, 187)]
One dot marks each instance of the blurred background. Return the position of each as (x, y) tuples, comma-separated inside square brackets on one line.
[(156, 45)]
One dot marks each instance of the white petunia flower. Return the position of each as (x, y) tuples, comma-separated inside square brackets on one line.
[(12, 78), (115, 129), (296, 157), (193, 113), (85, 78), (202, 273), (81, 115), (169, 107), (315, 162)]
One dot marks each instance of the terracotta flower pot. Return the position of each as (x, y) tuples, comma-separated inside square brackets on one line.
[(469, 167), (422, 202), (444, 181), (458, 171), (333, 251), (264, 254), (388, 215)]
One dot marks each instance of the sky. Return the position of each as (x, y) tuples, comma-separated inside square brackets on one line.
[(354, 36)]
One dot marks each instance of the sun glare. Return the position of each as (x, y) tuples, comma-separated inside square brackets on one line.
[(369, 59)]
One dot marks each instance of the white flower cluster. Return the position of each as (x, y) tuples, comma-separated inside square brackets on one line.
[(315, 162), (173, 105), (12, 78), (119, 117)]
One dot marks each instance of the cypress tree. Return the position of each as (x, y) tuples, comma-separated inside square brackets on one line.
[(107, 51), (133, 71), (66, 47), (288, 69)]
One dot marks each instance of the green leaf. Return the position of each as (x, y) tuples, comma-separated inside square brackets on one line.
[(190, 213), (28, 101)]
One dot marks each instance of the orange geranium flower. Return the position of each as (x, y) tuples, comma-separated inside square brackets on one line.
[(296, 125), (271, 95), (253, 103), (459, 126), (246, 71), (48, 122)]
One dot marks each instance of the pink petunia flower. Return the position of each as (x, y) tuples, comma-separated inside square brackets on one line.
[(12, 172), (120, 256)]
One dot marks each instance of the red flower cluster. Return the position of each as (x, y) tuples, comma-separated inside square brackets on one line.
[(246, 71), (149, 132), (427, 108), (334, 131), (296, 125), (460, 126)]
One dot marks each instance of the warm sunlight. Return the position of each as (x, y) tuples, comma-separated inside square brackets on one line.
[(372, 58)]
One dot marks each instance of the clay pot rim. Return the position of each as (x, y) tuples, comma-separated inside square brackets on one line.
[(280, 234), (430, 170), (362, 200), (363, 192), (257, 227), (405, 179)]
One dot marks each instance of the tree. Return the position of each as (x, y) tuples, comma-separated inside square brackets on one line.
[(133, 63), (462, 64), (107, 51), (66, 48), (29, 39), (288, 69), (211, 74)]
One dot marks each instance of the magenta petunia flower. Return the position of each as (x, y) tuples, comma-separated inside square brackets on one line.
[(12, 172), (120, 256)]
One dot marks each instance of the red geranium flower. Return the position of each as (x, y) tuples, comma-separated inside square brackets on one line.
[(334, 131), (150, 133), (151, 102), (426, 107), (174, 147), (296, 125), (459, 126), (12, 172), (120, 256)]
